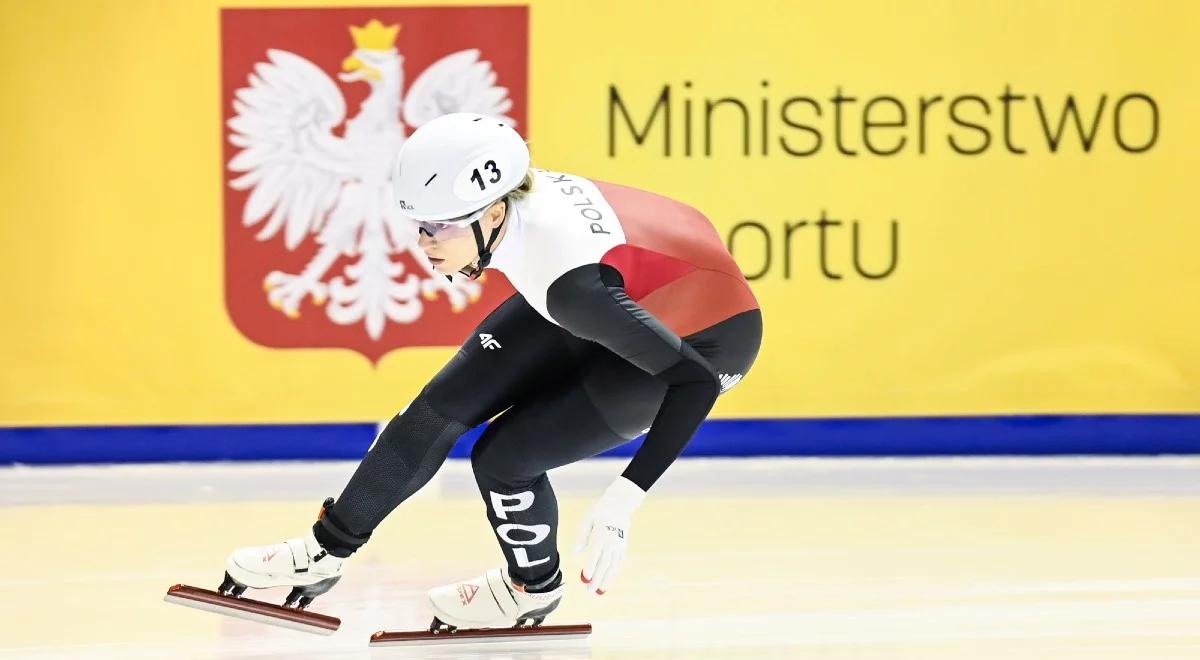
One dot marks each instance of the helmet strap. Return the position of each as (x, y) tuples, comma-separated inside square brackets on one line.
[(485, 249)]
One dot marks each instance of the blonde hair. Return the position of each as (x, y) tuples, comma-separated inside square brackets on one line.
[(524, 189)]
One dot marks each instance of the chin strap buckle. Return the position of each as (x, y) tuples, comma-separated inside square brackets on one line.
[(485, 251)]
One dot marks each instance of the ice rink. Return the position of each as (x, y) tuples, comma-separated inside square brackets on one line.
[(770, 558)]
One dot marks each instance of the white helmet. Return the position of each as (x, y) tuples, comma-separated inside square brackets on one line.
[(457, 164)]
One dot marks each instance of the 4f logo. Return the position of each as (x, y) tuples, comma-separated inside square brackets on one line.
[(488, 342)]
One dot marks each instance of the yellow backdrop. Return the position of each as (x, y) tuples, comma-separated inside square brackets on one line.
[(1054, 280)]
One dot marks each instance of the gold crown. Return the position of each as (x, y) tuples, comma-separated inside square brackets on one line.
[(374, 35)]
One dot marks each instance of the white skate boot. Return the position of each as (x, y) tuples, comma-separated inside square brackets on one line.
[(300, 563), (491, 600), (489, 608)]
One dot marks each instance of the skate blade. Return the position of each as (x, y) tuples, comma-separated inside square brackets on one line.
[(252, 610), (481, 635)]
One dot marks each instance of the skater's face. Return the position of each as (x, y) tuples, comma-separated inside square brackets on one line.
[(452, 248)]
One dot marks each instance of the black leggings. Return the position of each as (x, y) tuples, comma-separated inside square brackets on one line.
[(559, 398)]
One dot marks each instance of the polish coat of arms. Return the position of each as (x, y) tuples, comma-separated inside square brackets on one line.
[(315, 110)]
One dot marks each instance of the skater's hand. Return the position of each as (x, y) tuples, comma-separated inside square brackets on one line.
[(605, 534)]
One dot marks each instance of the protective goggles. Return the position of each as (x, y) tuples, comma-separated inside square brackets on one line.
[(431, 228)]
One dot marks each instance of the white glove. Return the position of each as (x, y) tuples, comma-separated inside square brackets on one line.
[(605, 533)]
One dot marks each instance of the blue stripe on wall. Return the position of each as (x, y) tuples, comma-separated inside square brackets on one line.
[(888, 436)]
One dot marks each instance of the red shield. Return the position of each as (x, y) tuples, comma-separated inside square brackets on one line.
[(315, 103)]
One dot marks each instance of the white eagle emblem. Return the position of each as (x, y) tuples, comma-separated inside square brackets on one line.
[(305, 180)]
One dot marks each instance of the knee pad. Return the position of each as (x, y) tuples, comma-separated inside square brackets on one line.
[(484, 463), (418, 420), (497, 467), (407, 453)]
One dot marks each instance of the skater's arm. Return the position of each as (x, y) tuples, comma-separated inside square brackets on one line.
[(590, 302)]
